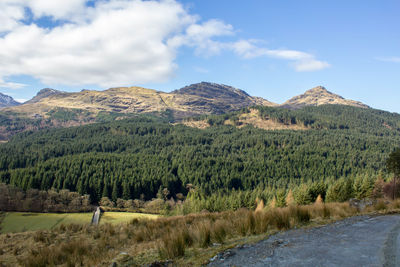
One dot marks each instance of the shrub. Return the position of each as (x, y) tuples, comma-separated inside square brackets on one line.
[(204, 234), (321, 210), (279, 218), (299, 214), (380, 205), (219, 231), (392, 189), (173, 244), (262, 222)]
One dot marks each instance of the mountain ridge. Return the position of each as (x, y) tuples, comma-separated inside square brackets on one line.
[(52, 108), (7, 101), (195, 99)]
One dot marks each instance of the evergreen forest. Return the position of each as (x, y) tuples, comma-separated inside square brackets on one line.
[(137, 157)]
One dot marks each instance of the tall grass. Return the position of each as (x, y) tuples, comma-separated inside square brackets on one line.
[(172, 236)]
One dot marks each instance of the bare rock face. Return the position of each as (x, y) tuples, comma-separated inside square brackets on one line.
[(320, 96), (7, 101)]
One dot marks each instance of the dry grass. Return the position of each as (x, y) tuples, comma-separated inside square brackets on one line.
[(202, 124), (181, 238), (253, 118)]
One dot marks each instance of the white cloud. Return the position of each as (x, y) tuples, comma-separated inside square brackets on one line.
[(301, 61), (21, 100), (10, 14), (58, 9), (11, 85), (310, 65), (389, 59), (121, 43), (115, 42), (200, 36)]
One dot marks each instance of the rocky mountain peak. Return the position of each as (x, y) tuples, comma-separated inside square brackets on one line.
[(7, 101), (211, 90), (320, 96), (43, 93)]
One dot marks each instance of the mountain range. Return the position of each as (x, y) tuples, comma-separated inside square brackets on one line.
[(195, 99), (53, 108)]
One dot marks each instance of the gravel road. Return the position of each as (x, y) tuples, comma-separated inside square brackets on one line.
[(356, 241)]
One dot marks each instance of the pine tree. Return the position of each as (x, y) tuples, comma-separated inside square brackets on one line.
[(115, 191)]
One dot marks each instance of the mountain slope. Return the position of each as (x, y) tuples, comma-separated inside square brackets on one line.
[(203, 98), (7, 101), (320, 96), (46, 92)]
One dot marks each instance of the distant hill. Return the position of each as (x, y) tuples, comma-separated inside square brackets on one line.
[(53, 108), (46, 92), (7, 101), (195, 99), (320, 96)]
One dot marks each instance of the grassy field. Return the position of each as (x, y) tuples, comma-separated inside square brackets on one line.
[(14, 222), (124, 217)]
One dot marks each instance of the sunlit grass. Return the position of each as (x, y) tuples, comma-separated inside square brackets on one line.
[(124, 217), (15, 222)]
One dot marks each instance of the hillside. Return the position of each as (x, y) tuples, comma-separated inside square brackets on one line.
[(320, 96), (7, 101), (202, 98), (135, 157), (44, 93), (52, 108)]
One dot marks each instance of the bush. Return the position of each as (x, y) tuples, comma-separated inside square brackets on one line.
[(173, 244), (219, 231), (204, 234), (392, 189), (380, 205), (300, 214), (279, 218)]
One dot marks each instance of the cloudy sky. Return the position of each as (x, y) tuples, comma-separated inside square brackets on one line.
[(273, 49)]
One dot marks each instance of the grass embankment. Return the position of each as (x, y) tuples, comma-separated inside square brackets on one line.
[(187, 240), (14, 222)]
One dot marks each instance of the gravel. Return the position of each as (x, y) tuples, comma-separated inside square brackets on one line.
[(356, 241)]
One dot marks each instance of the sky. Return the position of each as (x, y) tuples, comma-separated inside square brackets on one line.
[(272, 49)]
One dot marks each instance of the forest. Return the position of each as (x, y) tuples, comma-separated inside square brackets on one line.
[(137, 157)]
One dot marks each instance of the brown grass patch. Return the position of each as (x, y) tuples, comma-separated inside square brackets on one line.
[(253, 118), (202, 124), (179, 238)]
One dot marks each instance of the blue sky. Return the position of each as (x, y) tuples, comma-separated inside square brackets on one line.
[(272, 49)]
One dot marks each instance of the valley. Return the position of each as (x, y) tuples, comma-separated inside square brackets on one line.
[(183, 176), (163, 133)]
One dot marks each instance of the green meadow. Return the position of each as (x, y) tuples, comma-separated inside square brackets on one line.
[(14, 222)]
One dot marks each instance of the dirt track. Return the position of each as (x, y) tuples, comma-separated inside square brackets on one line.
[(357, 241)]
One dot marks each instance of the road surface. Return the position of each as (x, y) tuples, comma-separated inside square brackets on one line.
[(356, 241)]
